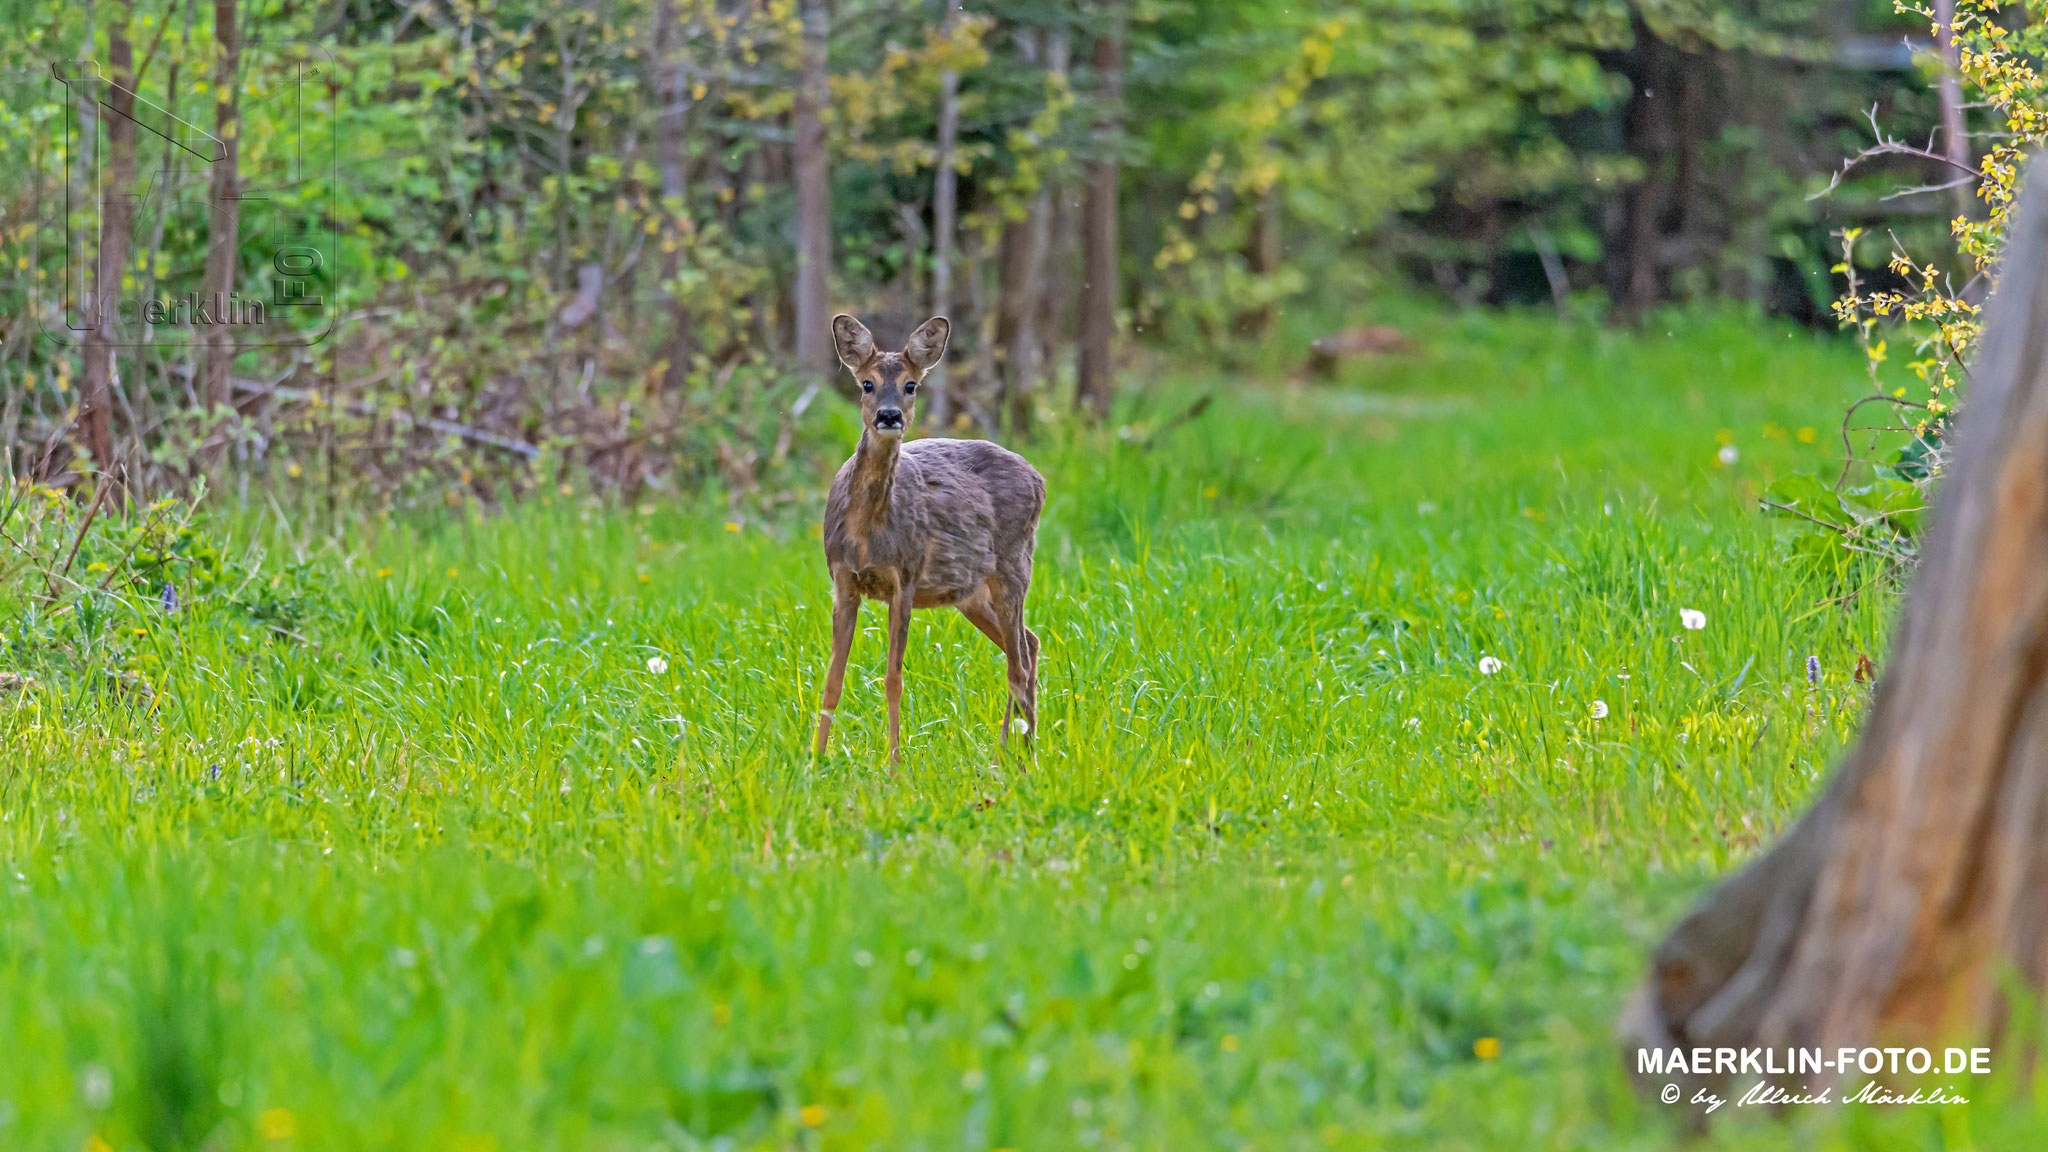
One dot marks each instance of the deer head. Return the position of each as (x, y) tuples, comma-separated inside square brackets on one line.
[(889, 380)]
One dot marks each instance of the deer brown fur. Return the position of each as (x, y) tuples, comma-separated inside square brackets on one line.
[(926, 524)]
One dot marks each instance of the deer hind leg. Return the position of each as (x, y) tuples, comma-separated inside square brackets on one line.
[(1031, 682), (981, 611), (982, 614), (976, 609), (1020, 647), (845, 619)]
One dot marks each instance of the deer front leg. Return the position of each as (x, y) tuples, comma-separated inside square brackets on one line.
[(899, 639), (845, 619)]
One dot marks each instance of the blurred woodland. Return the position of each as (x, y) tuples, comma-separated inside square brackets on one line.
[(509, 244)]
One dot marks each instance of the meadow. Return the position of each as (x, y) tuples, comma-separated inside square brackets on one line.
[(510, 838)]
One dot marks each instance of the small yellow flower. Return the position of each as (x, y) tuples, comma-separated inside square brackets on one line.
[(1230, 1043), (1209, 492), (452, 574), (721, 1014), (93, 1143), (383, 573), (1806, 435), (1487, 1048), (732, 525), (142, 631), (276, 1124), (812, 1115)]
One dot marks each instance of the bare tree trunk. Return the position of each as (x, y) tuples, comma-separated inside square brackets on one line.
[(117, 228), (1095, 371), (1022, 265), (1631, 250), (1898, 903), (1955, 139), (1021, 261), (223, 230), (1056, 284), (1262, 257), (672, 148), (945, 222), (813, 204)]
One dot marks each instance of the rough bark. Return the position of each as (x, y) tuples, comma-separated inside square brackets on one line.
[(945, 223), (223, 234), (1892, 909), (117, 231), (813, 206), (1095, 369)]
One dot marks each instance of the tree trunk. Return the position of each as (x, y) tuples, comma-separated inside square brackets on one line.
[(1632, 259), (1022, 262), (1894, 907), (945, 223), (1955, 139), (813, 205), (1262, 258), (1023, 278), (672, 149), (117, 229), (1095, 369), (223, 234), (1056, 277)]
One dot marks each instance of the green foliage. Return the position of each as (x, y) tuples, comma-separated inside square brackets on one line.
[(1996, 67), (94, 598), (493, 158)]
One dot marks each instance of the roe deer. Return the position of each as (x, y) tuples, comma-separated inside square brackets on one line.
[(926, 524)]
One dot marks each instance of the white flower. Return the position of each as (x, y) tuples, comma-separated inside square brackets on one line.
[(1728, 454), (1488, 665), (1020, 725), (1599, 709), (1692, 618), (656, 665)]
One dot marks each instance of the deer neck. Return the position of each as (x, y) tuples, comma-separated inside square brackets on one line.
[(874, 481)]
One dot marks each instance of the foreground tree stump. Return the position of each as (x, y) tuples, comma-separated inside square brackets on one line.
[(1892, 911)]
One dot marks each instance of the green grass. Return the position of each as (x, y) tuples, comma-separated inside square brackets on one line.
[(451, 869)]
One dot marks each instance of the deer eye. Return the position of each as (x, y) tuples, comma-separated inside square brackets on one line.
[(910, 389), (867, 385)]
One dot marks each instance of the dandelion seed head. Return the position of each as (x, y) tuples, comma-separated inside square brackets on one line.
[(656, 665), (1488, 665), (1693, 619), (1599, 710)]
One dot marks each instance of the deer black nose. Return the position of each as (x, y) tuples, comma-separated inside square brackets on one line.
[(889, 418)]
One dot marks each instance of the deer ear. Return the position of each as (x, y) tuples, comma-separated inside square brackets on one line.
[(852, 340), (928, 343)]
